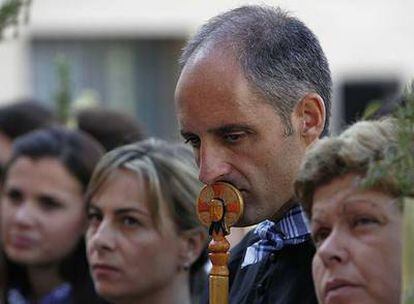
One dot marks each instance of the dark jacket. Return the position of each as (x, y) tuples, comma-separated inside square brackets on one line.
[(284, 277)]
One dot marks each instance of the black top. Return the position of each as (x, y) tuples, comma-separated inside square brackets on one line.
[(283, 277)]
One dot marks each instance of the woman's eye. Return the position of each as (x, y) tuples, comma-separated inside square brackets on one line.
[(130, 221), (364, 221), (319, 236), (94, 217), (49, 203), (14, 196)]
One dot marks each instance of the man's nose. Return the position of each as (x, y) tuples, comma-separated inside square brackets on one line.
[(334, 249), (213, 164)]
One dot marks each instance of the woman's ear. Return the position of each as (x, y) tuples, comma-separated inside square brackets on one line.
[(310, 116), (193, 242)]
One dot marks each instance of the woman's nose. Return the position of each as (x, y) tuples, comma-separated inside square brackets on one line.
[(25, 215), (103, 237), (334, 249)]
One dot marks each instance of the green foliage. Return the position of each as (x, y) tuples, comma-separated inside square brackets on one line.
[(10, 11), (63, 93), (399, 158), (408, 252), (371, 109)]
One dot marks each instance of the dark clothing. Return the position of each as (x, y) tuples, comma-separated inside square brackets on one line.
[(283, 277)]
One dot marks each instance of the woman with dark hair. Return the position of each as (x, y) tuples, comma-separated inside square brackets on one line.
[(43, 217), (144, 241)]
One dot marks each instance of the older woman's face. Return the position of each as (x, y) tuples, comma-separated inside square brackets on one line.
[(129, 256), (358, 238)]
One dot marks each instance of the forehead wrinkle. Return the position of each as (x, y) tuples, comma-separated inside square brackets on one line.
[(374, 206)]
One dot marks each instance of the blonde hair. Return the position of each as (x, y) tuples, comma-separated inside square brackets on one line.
[(358, 149), (171, 180), (167, 169)]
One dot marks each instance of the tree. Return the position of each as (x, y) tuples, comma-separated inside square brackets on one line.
[(12, 12)]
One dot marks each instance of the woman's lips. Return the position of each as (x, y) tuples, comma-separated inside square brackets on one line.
[(337, 288), (21, 241), (104, 271)]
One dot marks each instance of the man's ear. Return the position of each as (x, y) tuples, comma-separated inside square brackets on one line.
[(193, 243), (310, 115)]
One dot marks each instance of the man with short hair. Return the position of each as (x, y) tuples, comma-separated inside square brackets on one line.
[(254, 92)]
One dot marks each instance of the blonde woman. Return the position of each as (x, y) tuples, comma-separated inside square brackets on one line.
[(144, 241)]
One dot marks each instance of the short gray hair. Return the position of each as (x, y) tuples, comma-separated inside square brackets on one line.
[(357, 150), (280, 56)]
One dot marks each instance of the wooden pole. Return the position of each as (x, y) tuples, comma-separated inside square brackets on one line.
[(219, 207)]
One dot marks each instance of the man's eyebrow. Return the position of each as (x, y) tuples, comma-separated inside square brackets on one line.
[(222, 129), (232, 128), (186, 134)]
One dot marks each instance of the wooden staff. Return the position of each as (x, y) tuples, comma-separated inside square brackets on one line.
[(219, 207)]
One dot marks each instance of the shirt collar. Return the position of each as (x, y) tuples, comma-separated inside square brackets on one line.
[(292, 229)]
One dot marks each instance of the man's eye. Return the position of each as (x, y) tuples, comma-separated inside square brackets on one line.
[(194, 141), (233, 137), (319, 236)]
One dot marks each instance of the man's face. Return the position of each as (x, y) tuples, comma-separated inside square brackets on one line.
[(237, 137)]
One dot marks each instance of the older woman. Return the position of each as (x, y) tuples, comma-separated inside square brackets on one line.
[(356, 228), (144, 240)]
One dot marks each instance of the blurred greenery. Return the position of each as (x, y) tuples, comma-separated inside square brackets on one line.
[(405, 116), (408, 252), (10, 13), (399, 158), (399, 163), (63, 94), (371, 109)]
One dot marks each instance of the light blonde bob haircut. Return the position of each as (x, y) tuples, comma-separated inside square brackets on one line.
[(357, 150), (168, 173), (169, 176)]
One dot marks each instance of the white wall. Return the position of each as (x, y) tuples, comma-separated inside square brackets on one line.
[(360, 38)]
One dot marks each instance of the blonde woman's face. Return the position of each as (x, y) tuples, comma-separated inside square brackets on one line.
[(128, 255), (358, 239)]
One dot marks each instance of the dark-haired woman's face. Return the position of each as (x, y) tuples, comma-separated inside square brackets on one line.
[(42, 211), (129, 255)]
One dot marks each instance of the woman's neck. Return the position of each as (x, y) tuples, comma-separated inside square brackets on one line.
[(177, 292), (43, 279)]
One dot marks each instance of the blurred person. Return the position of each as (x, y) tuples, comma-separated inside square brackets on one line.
[(144, 241), (356, 229), (43, 217), (253, 94), (110, 127), (19, 118)]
